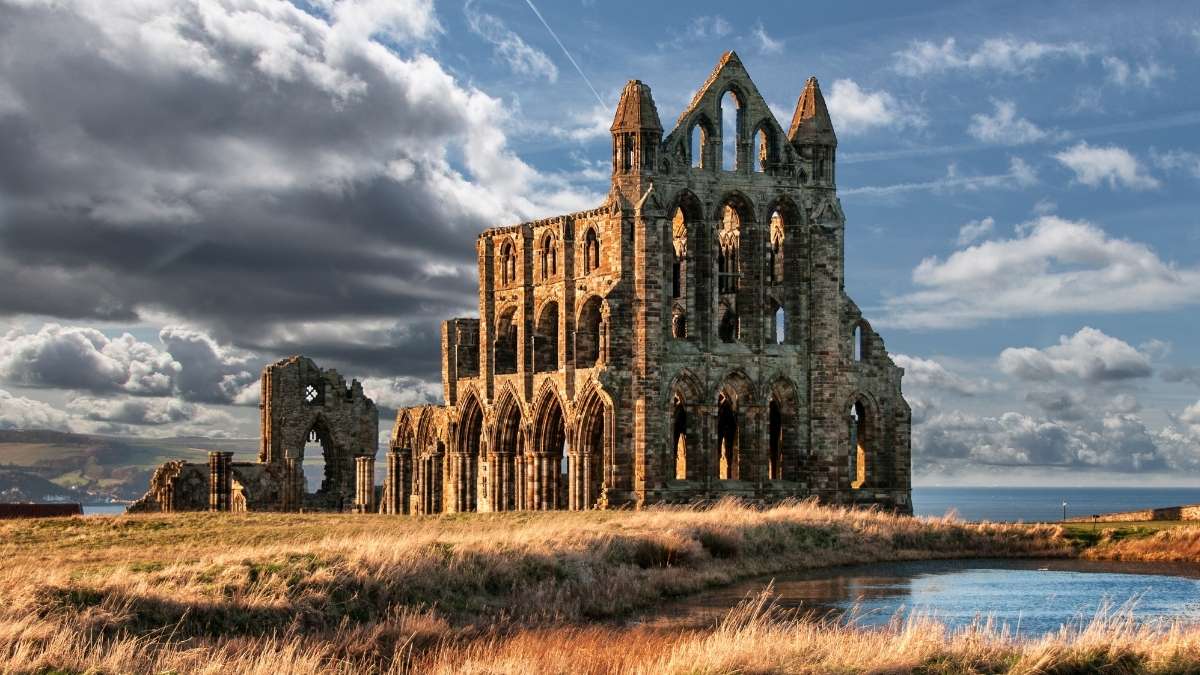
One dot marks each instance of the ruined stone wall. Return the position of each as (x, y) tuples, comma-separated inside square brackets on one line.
[(300, 403), (637, 344)]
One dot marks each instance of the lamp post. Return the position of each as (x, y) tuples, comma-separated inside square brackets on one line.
[(1064, 510)]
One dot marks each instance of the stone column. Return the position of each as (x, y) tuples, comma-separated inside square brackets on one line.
[(364, 483), (220, 480), (395, 486), (293, 490)]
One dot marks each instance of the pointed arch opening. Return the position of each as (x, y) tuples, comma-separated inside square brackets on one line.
[(588, 336), (763, 151), (594, 428), (553, 456), (859, 440), (505, 344), (856, 344), (508, 263), (778, 330), (775, 249), (783, 437), (591, 251), (548, 256), (470, 430), (510, 458), (545, 339), (321, 487), (731, 118), (727, 438), (679, 429), (697, 139)]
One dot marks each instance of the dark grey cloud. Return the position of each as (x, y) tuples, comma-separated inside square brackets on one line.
[(1181, 374), (269, 175), (133, 411)]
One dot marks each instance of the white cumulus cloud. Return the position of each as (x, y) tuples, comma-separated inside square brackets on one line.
[(1052, 266), (1112, 165), (1089, 355), (856, 110), (974, 230), (1004, 126)]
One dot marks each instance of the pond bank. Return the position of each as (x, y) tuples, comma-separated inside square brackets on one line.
[(380, 592)]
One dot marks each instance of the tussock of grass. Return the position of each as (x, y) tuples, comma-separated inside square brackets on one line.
[(150, 593)]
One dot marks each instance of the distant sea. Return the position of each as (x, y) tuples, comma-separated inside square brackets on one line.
[(996, 503), (1043, 503)]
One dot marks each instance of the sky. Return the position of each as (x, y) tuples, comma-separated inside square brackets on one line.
[(190, 189)]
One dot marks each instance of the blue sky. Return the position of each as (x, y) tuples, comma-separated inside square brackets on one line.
[(198, 187)]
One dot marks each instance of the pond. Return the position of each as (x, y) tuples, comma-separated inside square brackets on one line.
[(1030, 597)]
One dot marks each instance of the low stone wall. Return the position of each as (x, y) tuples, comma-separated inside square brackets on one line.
[(39, 510), (1185, 512)]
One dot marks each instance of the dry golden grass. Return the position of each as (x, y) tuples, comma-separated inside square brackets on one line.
[(1178, 544), (476, 593)]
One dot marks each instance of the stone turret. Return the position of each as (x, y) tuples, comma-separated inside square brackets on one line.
[(636, 131), (812, 133)]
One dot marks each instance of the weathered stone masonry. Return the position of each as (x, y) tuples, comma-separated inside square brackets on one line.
[(688, 339), (301, 403)]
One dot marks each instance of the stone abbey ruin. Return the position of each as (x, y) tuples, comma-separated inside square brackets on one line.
[(688, 339)]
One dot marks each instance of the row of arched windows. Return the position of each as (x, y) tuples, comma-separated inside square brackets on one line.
[(701, 136), (547, 257)]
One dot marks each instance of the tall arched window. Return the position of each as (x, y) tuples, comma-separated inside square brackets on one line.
[(774, 441), (696, 140), (858, 445), (858, 342), (780, 326), (762, 151), (730, 118), (775, 263), (591, 251), (508, 263), (729, 241), (548, 256), (679, 439)]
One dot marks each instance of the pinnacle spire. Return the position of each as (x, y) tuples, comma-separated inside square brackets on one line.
[(636, 110), (811, 122)]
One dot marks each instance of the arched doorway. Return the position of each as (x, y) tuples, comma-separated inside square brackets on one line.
[(510, 460), (727, 438), (593, 434), (322, 488), (783, 437), (466, 479), (553, 457)]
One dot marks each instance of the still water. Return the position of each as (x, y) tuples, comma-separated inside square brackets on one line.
[(1032, 504), (1030, 597)]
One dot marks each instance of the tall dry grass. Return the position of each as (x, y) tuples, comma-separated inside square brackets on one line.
[(1180, 544), (250, 593)]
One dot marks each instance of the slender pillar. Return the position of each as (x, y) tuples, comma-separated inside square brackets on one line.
[(364, 483)]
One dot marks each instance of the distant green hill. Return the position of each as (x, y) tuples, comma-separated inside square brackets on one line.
[(36, 463)]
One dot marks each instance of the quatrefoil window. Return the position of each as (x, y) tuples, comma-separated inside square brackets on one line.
[(310, 394)]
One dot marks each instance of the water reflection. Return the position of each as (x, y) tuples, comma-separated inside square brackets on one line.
[(1031, 597)]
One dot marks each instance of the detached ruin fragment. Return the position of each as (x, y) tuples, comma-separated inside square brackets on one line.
[(688, 339), (301, 403)]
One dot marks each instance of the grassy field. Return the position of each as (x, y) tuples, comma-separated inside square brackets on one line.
[(517, 592)]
